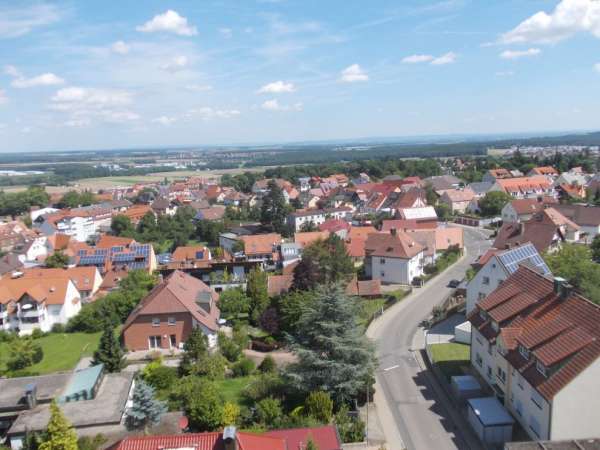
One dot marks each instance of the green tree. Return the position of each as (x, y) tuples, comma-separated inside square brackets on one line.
[(195, 350), (291, 306), (233, 302), (274, 210), (58, 259), (202, 403), (492, 203), (109, 351), (323, 262), (91, 443), (121, 226), (60, 435), (268, 365), (333, 354), (229, 348), (146, 409), (256, 290), (595, 248), (351, 429), (319, 405), (269, 412), (24, 352), (574, 263), (74, 199), (231, 414)]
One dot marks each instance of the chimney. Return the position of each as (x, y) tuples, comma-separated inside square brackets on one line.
[(562, 288), (31, 396), (229, 438)]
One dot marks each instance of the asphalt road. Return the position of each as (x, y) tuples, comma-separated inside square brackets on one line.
[(411, 405)]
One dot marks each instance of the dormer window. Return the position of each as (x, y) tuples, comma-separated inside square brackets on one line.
[(524, 352), (541, 368)]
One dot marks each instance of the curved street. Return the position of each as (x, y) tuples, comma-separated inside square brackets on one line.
[(408, 407)]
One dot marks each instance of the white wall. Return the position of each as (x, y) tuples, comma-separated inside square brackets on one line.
[(575, 407), (492, 271), (396, 270), (480, 346)]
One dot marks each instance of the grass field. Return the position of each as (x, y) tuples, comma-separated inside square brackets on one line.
[(232, 388), (450, 358), (62, 351)]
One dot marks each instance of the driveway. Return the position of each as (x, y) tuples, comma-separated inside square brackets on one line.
[(412, 413)]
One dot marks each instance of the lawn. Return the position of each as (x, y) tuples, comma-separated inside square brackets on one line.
[(62, 351), (450, 358), (232, 388), (368, 308)]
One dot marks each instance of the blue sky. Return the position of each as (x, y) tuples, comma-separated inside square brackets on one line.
[(78, 75)]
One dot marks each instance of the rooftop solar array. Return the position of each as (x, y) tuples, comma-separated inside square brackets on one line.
[(91, 260), (512, 258)]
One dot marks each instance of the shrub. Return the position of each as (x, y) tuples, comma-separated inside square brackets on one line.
[(268, 365), (59, 328), (319, 406), (37, 333), (231, 414), (243, 367), (229, 348), (263, 386), (161, 377), (269, 412)]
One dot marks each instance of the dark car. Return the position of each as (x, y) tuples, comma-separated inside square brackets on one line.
[(453, 283)]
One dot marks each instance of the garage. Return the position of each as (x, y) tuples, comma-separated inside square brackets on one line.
[(491, 421)]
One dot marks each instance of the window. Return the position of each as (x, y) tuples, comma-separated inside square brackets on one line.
[(489, 372), (171, 321), (486, 280), (479, 360), (490, 349), (520, 381), (382, 274), (382, 261), (500, 282), (524, 352), (534, 426), (155, 322), (540, 367), (536, 398), (501, 375), (479, 341), (480, 296), (154, 341)]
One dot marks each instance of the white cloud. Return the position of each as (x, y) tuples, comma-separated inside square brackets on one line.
[(569, 17), (3, 97), (597, 67), (353, 74), (120, 47), (78, 123), (277, 87), (416, 59), (198, 87), (206, 113), (12, 71), (447, 58), (45, 79), (17, 22), (516, 54), (508, 73), (226, 32), (170, 22), (176, 64), (165, 120), (273, 105)]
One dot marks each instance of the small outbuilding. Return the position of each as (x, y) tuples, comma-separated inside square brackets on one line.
[(490, 420), (462, 333), (465, 387)]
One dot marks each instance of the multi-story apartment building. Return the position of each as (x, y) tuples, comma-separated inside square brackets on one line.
[(317, 216), (537, 344)]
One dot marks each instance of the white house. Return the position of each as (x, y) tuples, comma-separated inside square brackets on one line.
[(521, 210), (524, 187), (393, 257), (317, 216), (497, 266), (37, 303), (537, 344)]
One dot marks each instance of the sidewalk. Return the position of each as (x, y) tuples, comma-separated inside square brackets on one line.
[(461, 426)]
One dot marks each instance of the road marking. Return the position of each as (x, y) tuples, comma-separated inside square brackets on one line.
[(391, 368)]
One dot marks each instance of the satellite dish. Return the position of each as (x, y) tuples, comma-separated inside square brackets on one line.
[(27, 306)]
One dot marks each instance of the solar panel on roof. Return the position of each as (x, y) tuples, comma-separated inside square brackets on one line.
[(512, 258)]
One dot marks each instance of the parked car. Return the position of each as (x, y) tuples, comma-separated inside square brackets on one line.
[(454, 284)]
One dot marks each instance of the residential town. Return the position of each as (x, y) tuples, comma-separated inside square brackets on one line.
[(175, 313)]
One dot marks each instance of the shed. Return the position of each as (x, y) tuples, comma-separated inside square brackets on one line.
[(462, 333), (465, 387), (490, 421)]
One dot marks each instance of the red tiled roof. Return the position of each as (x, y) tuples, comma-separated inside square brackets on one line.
[(258, 244), (279, 284), (334, 225), (544, 170), (107, 241), (531, 205), (308, 237), (398, 245), (200, 441), (560, 331), (325, 437), (364, 288), (524, 184), (185, 253)]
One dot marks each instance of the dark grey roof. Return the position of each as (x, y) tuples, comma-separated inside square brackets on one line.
[(480, 187)]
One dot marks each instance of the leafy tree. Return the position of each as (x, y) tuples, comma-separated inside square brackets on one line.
[(91, 443), (202, 403), (333, 354), (160, 377), (58, 259), (492, 203), (308, 226), (319, 405), (291, 306), (74, 199), (430, 195), (231, 414), (269, 320), (146, 409), (263, 386), (256, 290), (243, 367), (60, 435), (274, 209), (351, 429), (24, 352), (323, 262), (269, 412), (233, 302), (229, 348), (121, 226), (208, 231), (268, 365), (109, 351), (195, 350), (574, 263), (595, 248)]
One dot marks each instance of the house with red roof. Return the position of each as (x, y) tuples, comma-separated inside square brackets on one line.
[(547, 171), (524, 187), (393, 257), (523, 209), (536, 342), (165, 318)]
